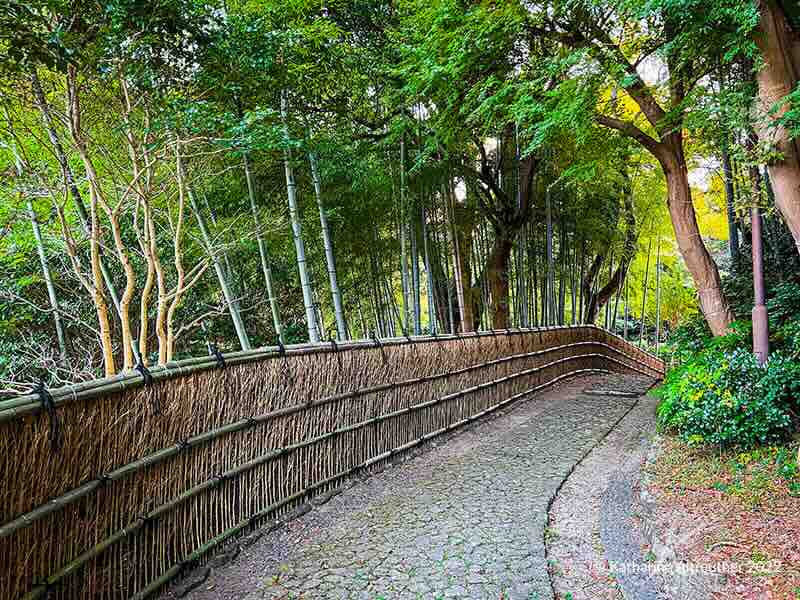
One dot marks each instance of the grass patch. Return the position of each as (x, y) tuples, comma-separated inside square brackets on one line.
[(734, 506), (753, 479)]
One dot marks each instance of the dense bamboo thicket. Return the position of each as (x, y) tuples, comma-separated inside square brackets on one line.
[(138, 477)]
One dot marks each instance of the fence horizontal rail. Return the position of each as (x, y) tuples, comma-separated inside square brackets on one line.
[(251, 442), (31, 403)]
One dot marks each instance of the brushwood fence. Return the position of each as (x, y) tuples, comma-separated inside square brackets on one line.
[(112, 487)]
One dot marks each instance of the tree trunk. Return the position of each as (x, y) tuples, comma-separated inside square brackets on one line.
[(341, 324), (628, 253), (497, 275), (403, 242), (95, 237), (45, 264), (69, 179), (428, 273), (588, 287), (690, 243), (461, 232), (222, 276), (780, 51), (658, 296), (266, 267), (730, 201), (644, 294), (297, 231), (548, 291), (178, 251), (48, 279)]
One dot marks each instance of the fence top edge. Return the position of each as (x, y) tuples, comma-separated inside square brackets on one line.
[(133, 379)]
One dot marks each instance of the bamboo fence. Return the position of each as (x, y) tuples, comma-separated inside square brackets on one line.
[(140, 479)]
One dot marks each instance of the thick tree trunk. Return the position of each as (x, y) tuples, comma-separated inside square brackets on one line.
[(780, 50), (698, 261), (497, 275), (588, 287)]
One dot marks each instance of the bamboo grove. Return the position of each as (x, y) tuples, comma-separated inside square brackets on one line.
[(184, 177)]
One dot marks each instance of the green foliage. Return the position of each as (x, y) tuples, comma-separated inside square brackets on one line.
[(725, 398), (791, 117), (718, 394)]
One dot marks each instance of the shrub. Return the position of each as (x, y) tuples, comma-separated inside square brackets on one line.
[(724, 397)]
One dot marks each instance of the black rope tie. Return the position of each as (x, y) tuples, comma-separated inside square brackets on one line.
[(147, 378), (335, 347), (56, 435), (286, 372), (374, 338), (496, 343), (214, 351), (182, 445)]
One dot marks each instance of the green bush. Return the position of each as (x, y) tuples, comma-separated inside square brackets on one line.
[(723, 397)]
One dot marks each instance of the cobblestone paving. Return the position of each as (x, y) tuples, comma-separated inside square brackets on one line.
[(464, 520)]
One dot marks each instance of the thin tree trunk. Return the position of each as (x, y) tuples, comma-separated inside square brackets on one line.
[(297, 231), (415, 291), (45, 264), (224, 284), (563, 252), (95, 237), (644, 293), (69, 180), (48, 279), (733, 230), (338, 310), (548, 292), (403, 242), (658, 296), (263, 252), (428, 273), (180, 279), (625, 324)]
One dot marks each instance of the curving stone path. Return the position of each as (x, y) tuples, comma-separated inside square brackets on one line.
[(466, 519)]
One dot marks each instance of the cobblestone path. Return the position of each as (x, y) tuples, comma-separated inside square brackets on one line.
[(466, 519)]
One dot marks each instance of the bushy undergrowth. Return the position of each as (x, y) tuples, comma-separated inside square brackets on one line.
[(718, 393)]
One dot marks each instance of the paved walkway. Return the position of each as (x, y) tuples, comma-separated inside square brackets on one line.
[(464, 520)]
